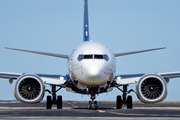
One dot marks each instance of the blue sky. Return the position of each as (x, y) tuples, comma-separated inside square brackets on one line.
[(57, 26)]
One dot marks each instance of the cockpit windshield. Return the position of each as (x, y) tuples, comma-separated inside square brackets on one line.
[(98, 56), (88, 57), (93, 56)]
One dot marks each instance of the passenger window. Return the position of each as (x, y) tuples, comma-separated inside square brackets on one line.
[(98, 56), (88, 56), (80, 57)]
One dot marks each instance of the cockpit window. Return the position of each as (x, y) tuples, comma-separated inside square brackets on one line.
[(80, 57), (88, 57), (98, 56), (106, 57)]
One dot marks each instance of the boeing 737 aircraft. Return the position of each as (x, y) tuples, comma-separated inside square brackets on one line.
[(92, 71)]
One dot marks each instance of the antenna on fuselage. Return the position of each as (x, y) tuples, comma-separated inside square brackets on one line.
[(86, 25)]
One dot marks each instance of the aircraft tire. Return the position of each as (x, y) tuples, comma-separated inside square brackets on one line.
[(95, 105), (59, 102), (118, 102), (48, 102), (129, 102), (90, 105)]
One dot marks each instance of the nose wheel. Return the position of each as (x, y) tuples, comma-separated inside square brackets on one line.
[(92, 104)]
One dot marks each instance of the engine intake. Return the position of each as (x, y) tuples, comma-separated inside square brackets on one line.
[(151, 88), (29, 88)]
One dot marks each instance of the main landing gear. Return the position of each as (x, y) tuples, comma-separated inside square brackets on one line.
[(54, 101), (126, 100), (93, 103)]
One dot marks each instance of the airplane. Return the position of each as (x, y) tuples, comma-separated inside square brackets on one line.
[(91, 71)]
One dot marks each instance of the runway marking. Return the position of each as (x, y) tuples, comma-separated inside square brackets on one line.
[(72, 104), (170, 102), (100, 111), (83, 102), (133, 114)]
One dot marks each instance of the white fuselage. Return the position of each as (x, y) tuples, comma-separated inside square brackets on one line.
[(92, 64)]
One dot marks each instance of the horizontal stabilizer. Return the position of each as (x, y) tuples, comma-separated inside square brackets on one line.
[(134, 52), (42, 53)]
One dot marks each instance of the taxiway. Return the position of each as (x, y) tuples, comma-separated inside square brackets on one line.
[(79, 110)]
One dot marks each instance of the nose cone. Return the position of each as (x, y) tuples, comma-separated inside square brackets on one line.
[(94, 72)]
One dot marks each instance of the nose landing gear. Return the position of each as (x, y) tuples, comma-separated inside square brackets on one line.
[(93, 90), (92, 103), (126, 100)]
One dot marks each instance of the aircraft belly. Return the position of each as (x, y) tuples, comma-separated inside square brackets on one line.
[(82, 81), (83, 87)]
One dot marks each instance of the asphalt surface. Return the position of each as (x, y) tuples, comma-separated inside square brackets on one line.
[(79, 110)]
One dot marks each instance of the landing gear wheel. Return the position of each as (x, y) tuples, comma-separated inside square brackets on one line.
[(48, 102), (90, 105), (95, 105), (118, 102), (129, 102), (59, 102)]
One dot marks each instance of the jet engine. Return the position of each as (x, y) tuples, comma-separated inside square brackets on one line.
[(29, 88), (151, 88)]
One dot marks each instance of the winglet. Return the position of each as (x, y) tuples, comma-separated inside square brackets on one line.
[(86, 25)]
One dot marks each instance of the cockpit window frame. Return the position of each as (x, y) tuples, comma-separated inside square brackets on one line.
[(93, 56)]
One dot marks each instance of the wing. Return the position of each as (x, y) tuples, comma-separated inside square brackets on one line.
[(134, 52), (47, 79), (134, 78), (42, 53)]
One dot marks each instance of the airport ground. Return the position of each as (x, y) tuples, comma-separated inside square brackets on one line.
[(79, 110)]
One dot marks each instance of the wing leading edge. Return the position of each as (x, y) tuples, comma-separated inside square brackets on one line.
[(134, 52), (134, 78), (42, 53), (47, 79)]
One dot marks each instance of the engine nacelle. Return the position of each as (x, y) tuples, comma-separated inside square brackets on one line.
[(151, 88), (29, 88)]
